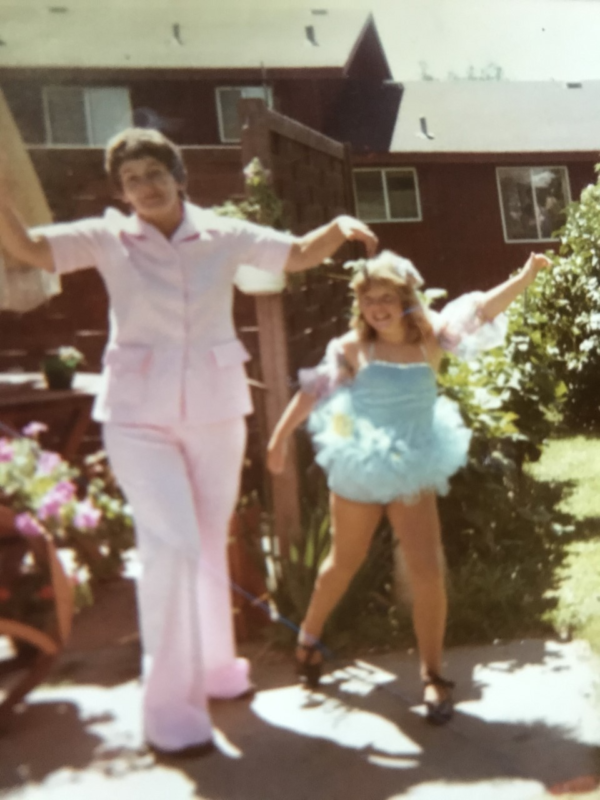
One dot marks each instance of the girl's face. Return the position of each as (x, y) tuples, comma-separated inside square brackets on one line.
[(149, 188), (381, 308)]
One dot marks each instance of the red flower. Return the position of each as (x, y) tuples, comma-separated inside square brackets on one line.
[(46, 593), (4, 594)]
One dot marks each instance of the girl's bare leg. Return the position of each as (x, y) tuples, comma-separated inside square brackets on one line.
[(352, 528), (417, 528)]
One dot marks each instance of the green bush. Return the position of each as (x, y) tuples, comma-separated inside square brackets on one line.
[(567, 309)]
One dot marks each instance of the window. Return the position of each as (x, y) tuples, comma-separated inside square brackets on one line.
[(532, 202), (81, 115), (384, 195), (227, 108)]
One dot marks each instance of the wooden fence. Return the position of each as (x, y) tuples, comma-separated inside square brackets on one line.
[(311, 174)]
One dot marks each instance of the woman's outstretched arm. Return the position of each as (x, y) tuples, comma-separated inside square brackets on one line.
[(315, 246)]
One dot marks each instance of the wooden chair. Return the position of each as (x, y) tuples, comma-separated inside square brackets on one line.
[(42, 645)]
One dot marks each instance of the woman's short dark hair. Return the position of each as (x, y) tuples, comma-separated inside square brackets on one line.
[(134, 143)]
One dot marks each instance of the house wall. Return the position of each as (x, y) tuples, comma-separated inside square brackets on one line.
[(183, 105), (185, 110), (459, 244)]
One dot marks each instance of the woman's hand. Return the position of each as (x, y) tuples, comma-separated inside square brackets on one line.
[(534, 264), (353, 230), (276, 456)]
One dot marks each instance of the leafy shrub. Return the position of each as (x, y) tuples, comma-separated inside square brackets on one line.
[(82, 511), (570, 308)]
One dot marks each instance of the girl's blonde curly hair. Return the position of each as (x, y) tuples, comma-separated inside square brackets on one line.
[(401, 276)]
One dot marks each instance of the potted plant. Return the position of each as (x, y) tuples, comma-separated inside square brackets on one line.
[(59, 367)]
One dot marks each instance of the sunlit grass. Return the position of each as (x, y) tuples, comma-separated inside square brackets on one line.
[(575, 463)]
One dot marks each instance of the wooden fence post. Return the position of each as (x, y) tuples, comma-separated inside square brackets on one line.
[(272, 338)]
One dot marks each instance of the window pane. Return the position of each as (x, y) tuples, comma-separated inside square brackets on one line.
[(552, 196), (517, 203), (256, 91), (110, 112), (230, 124), (228, 105), (369, 195), (66, 115), (402, 195)]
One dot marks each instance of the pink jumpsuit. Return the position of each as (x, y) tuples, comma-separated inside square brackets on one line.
[(173, 401)]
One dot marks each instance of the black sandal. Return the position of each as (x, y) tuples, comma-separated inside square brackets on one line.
[(308, 670), (439, 712)]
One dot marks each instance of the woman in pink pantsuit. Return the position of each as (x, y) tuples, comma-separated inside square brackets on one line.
[(173, 403)]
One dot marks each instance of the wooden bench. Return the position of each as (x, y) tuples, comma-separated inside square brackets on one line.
[(25, 398), (39, 646)]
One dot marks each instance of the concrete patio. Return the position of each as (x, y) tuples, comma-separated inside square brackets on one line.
[(527, 719)]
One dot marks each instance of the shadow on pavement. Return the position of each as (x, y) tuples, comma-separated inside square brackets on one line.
[(360, 737), (43, 738)]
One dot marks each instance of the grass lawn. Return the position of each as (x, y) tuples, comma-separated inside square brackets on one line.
[(574, 463)]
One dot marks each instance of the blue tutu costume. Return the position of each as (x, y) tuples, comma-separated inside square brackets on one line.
[(385, 434)]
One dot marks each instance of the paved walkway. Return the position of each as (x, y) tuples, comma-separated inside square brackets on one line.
[(527, 718)]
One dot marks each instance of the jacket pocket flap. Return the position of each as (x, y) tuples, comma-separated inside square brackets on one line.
[(130, 358), (230, 353)]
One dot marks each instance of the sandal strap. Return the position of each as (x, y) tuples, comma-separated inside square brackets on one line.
[(308, 648), (433, 679)]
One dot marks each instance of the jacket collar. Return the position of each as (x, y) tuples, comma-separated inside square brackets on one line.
[(197, 223)]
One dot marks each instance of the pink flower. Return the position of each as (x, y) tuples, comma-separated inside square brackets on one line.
[(48, 462), (28, 525), (55, 499), (34, 429), (46, 593), (6, 450), (86, 516)]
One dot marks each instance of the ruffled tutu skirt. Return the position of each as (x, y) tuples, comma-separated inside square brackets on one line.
[(378, 453)]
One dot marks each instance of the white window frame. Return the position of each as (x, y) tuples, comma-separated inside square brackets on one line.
[(219, 89), (562, 167), (382, 171), (86, 110)]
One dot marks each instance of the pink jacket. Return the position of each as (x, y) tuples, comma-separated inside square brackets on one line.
[(173, 354)]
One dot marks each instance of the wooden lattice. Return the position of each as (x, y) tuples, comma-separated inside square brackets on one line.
[(311, 175)]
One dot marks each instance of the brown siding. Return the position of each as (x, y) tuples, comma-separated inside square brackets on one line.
[(460, 245), (185, 110), (309, 101)]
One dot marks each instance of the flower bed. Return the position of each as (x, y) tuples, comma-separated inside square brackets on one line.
[(82, 510)]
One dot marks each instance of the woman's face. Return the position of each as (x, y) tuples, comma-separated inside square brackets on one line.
[(149, 188), (381, 308)]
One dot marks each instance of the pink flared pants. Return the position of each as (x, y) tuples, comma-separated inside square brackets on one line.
[(182, 483)]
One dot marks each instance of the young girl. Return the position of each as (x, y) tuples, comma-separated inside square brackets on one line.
[(389, 443)]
